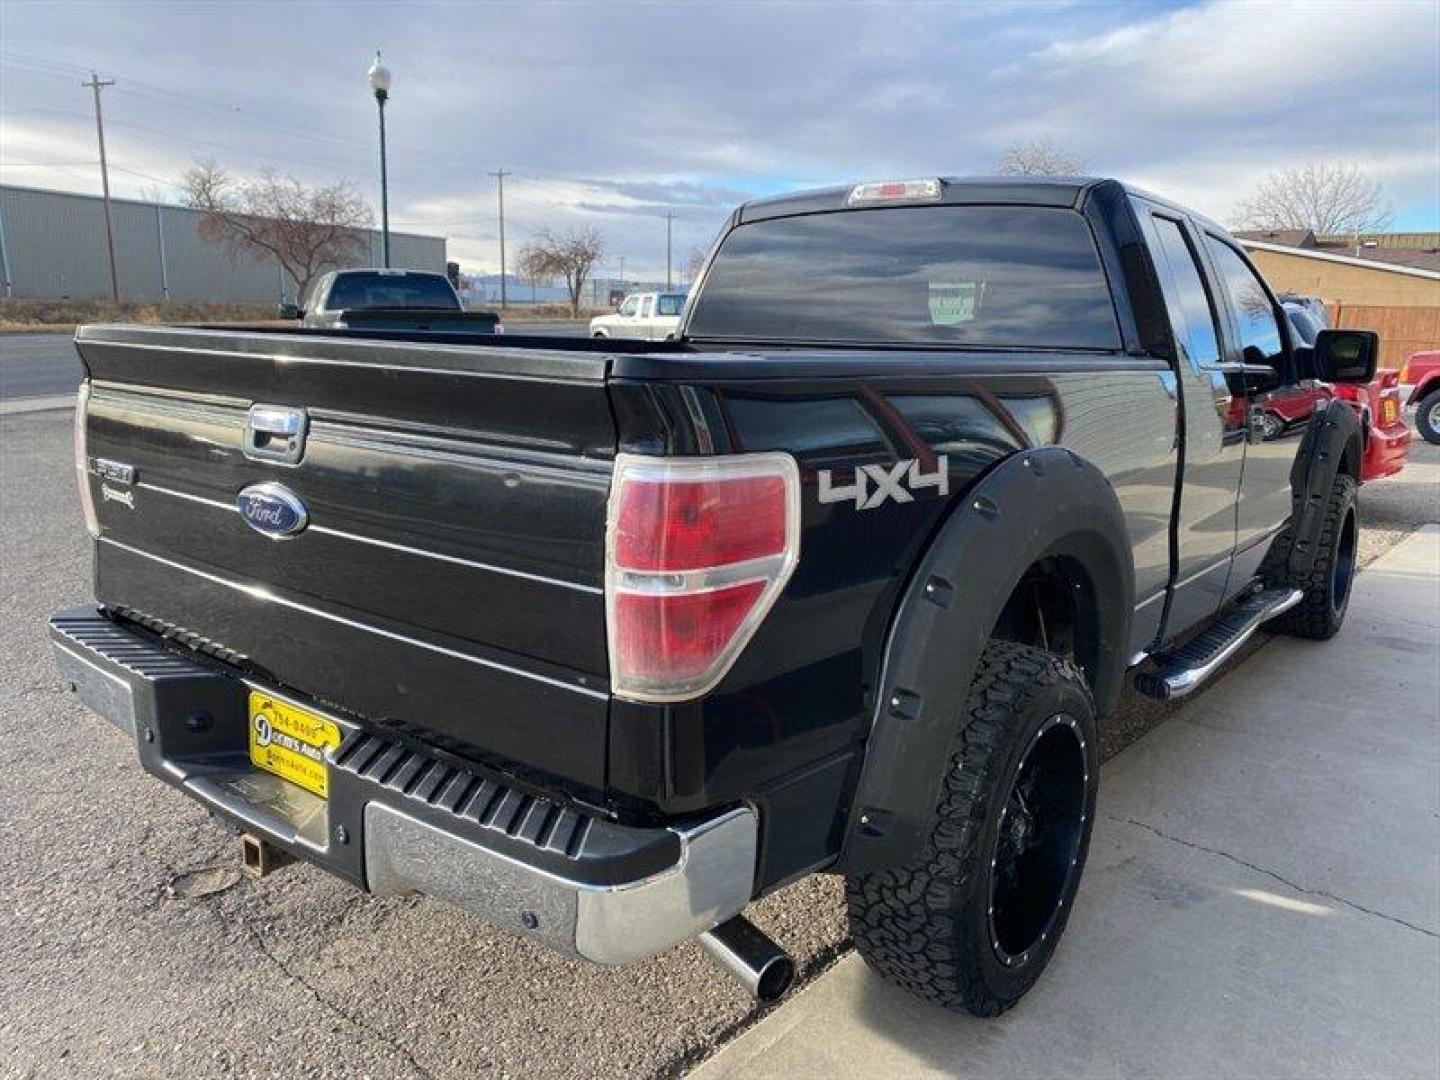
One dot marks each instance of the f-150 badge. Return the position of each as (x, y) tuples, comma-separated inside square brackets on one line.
[(874, 484)]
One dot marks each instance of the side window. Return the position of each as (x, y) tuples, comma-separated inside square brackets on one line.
[(1188, 303), (1260, 339), (627, 309), (647, 307)]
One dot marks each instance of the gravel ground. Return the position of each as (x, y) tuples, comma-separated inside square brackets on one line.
[(135, 948)]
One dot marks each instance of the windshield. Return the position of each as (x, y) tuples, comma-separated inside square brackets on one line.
[(981, 276), (372, 289)]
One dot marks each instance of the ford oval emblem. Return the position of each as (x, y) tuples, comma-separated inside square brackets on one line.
[(272, 509)]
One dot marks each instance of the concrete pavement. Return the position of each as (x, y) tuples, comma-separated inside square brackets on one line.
[(1262, 898)]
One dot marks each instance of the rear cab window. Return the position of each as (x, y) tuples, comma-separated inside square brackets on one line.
[(670, 304), (378, 289), (967, 276)]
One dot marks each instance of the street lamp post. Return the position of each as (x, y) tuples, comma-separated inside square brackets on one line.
[(380, 83)]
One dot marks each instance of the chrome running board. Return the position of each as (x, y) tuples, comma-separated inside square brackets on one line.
[(1182, 671)]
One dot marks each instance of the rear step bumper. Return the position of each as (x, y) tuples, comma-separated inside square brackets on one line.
[(401, 820)]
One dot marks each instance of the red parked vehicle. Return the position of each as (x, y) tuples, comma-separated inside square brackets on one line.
[(1422, 373), (1382, 423)]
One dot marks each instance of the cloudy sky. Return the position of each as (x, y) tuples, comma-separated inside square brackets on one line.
[(614, 114)]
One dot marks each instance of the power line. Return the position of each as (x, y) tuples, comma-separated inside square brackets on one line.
[(97, 84), (47, 164)]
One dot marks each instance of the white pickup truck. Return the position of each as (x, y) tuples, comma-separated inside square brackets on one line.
[(647, 316)]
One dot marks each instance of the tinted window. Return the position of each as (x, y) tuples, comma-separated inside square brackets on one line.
[(671, 304), (1191, 316), (936, 275), (1258, 329), (376, 290)]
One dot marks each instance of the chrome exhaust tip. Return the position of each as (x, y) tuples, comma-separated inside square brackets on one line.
[(749, 956)]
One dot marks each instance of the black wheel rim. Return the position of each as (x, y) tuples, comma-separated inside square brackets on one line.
[(1037, 841), (1344, 568)]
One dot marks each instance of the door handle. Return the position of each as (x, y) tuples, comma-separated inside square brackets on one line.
[(275, 433)]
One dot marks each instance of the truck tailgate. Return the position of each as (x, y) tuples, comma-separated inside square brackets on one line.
[(449, 581)]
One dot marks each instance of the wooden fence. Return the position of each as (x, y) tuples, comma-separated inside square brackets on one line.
[(1402, 330)]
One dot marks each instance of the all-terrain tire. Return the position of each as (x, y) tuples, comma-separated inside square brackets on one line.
[(928, 926), (1427, 417), (1327, 585)]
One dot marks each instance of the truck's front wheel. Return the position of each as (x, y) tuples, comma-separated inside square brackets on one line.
[(1326, 584), (973, 920), (1427, 417)]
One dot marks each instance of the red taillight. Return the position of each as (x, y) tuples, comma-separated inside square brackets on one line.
[(689, 525), (1390, 407), (697, 550)]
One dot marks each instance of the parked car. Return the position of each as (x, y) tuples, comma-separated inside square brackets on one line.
[(601, 641), (1303, 321), (1422, 374), (642, 316), (1311, 305), (390, 300)]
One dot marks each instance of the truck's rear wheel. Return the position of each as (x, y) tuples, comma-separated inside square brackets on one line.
[(1327, 584), (973, 920)]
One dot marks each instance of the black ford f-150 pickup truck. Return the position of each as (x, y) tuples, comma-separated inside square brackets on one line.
[(603, 643)]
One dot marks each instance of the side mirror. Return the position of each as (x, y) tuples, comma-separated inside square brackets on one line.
[(1346, 356), (288, 311)]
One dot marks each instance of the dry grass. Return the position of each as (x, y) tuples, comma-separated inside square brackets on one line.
[(62, 316), (544, 312)]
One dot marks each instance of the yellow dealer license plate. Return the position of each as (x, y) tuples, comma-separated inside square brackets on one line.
[(291, 742)]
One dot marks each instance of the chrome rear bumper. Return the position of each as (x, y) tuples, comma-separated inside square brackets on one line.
[(401, 820)]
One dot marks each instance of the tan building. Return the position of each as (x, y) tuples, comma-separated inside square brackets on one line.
[(1401, 302)]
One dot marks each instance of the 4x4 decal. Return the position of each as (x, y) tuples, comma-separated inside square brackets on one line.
[(874, 484)]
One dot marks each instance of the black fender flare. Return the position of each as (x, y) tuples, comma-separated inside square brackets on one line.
[(1333, 440), (1035, 504)]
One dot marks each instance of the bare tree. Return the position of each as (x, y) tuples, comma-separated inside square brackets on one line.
[(1038, 157), (694, 263), (1326, 198), (307, 230), (571, 256)]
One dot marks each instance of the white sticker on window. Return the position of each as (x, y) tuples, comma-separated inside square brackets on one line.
[(955, 302)]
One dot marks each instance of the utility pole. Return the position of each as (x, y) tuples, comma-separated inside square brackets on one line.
[(669, 220), (500, 175), (96, 84)]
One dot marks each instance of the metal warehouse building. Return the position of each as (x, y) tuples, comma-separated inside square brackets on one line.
[(52, 244)]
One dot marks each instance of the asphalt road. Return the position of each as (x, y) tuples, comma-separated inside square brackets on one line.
[(44, 365), (134, 947)]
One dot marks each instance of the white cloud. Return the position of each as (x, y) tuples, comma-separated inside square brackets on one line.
[(612, 114)]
